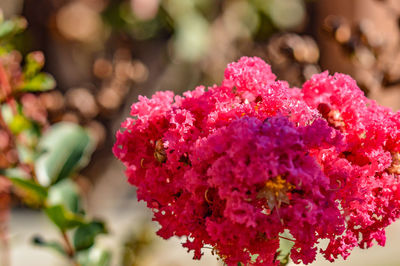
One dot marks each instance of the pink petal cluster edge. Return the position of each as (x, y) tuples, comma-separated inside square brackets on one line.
[(232, 167)]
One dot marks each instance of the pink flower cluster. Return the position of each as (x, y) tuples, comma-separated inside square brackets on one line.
[(232, 167)]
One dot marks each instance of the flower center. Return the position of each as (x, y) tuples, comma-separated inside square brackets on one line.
[(159, 152), (335, 119), (275, 192)]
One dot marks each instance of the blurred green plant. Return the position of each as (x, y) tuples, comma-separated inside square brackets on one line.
[(202, 36), (191, 24), (137, 246), (41, 160)]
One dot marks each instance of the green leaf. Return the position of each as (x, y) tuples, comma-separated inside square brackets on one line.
[(12, 27), (30, 187), (19, 123), (285, 247), (21, 180), (27, 146), (95, 256), (65, 193), (287, 14), (7, 113), (85, 235), (37, 240), (15, 173), (25, 154), (191, 42), (65, 148), (63, 218), (40, 82), (34, 62)]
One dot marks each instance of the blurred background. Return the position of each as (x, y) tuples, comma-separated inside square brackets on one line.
[(104, 53)]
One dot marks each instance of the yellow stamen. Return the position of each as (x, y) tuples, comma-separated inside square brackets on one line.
[(275, 192)]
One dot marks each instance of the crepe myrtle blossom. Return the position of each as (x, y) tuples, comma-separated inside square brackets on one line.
[(232, 167), (367, 169)]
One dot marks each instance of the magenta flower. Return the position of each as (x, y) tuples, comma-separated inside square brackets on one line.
[(366, 170), (232, 167)]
